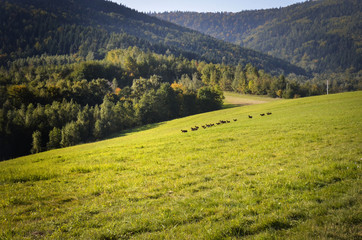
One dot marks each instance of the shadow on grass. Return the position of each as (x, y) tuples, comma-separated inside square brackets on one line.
[(136, 129), (233, 105)]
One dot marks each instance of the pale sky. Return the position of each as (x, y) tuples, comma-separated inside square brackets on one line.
[(204, 5)]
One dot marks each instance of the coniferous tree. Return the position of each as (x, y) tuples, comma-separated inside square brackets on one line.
[(70, 134), (36, 145), (55, 137)]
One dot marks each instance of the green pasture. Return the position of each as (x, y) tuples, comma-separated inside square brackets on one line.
[(295, 174), (233, 99)]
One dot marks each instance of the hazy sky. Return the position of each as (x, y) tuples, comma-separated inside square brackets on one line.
[(204, 5)]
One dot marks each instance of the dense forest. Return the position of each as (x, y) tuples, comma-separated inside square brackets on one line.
[(57, 101), (319, 36), (90, 29)]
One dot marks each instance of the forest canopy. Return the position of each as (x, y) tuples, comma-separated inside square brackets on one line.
[(89, 29), (319, 36)]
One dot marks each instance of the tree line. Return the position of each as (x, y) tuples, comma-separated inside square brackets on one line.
[(57, 101), (48, 102)]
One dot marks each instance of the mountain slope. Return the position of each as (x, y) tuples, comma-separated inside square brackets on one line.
[(319, 36), (91, 28), (294, 174)]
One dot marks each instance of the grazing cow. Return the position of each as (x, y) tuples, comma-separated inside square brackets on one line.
[(203, 127), (218, 123), (250, 116), (194, 129), (269, 113), (184, 131), (262, 114), (228, 121), (235, 120)]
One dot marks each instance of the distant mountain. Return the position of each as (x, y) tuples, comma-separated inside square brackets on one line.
[(89, 29), (320, 36)]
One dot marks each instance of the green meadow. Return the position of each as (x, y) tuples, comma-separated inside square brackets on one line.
[(294, 174), (233, 99)]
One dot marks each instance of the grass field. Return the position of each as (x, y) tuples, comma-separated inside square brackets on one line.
[(295, 174), (235, 99)]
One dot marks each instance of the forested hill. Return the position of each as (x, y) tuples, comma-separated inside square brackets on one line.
[(90, 29), (320, 36)]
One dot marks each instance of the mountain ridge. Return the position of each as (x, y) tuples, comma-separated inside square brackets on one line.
[(318, 36), (77, 26)]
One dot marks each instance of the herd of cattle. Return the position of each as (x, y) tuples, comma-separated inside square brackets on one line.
[(219, 123)]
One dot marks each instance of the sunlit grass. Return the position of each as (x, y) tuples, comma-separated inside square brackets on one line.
[(293, 174)]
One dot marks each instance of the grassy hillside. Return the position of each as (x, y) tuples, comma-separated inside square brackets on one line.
[(233, 99), (293, 174)]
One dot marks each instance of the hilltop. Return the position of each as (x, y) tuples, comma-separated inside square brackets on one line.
[(319, 36), (89, 29), (292, 174)]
